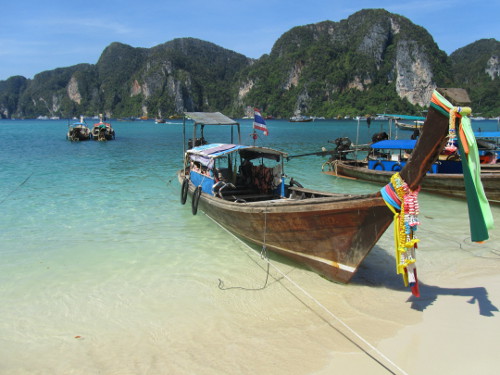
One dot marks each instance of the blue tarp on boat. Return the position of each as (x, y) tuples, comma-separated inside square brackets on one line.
[(487, 134), (207, 153), (214, 149), (396, 144)]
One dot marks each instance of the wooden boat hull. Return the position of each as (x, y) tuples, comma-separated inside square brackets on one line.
[(330, 234), (103, 131), (78, 133), (451, 185), (107, 135), (78, 137)]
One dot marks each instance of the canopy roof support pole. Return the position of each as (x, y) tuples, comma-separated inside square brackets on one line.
[(184, 142)]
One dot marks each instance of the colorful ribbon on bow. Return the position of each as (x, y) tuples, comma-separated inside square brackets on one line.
[(403, 202), (480, 217)]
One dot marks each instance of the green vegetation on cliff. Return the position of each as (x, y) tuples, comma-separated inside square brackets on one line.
[(372, 62), (476, 68)]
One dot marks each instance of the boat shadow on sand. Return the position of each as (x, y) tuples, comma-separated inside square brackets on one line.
[(379, 270), (430, 293)]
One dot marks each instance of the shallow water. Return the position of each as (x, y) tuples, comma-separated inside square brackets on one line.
[(104, 271)]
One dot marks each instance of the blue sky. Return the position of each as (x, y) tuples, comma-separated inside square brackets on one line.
[(37, 35)]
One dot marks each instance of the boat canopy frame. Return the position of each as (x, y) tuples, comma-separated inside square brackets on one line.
[(206, 118), (207, 153), (211, 118)]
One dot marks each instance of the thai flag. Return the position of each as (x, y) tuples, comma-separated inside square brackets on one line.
[(258, 122)]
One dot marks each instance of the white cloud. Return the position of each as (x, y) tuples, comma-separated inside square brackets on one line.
[(80, 26), (21, 47)]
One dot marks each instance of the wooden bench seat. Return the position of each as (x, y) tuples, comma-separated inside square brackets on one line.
[(249, 197), (238, 192)]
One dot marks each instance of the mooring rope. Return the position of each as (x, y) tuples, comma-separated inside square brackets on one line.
[(263, 255), (323, 307), (17, 188), (169, 181)]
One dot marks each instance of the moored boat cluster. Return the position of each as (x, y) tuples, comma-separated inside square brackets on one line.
[(101, 131)]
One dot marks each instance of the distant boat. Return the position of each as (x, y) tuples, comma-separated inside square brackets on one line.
[(299, 118), (103, 131), (417, 124), (78, 131), (406, 122), (159, 121), (488, 144)]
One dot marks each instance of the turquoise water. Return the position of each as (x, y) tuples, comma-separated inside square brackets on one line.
[(104, 271)]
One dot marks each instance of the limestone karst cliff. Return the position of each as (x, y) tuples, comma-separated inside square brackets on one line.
[(371, 62)]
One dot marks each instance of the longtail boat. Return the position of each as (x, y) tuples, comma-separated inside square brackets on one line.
[(445, 177), (328, 232), (78, 131), (103, 131)]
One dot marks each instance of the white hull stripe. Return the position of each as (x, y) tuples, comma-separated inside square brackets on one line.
[(340, 266)]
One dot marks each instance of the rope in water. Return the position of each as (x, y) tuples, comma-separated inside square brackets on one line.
[(17, 188), (263, 255), (330, 313)]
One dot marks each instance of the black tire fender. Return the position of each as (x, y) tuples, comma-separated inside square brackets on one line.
[(195, 200), (296, 183), (397, 167), (382, 168), (184, 190)]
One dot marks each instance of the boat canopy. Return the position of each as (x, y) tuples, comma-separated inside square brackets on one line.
[(404, 117), (396, 144), (487, 134), (207, 154), (210, 118)]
